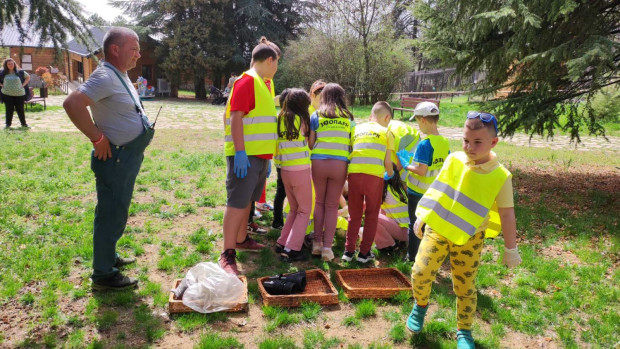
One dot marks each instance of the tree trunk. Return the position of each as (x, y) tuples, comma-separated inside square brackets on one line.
[(199, 87)]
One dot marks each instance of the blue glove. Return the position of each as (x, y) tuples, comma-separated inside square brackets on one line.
[(403, 157), (269, 168), (241, 164), (386, 176)]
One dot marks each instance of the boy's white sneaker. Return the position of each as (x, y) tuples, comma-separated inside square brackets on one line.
[(348, 256), (365, 258)]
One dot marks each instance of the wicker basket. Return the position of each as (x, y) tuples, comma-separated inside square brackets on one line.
[(372, 283), (177, 306), (318, 289)]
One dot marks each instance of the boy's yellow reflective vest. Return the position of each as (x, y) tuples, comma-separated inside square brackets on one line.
[(294, 152), (405, 137), (459, 200), (441, 149), (259, 125), (396, 209), (333, 137), (369, 147)]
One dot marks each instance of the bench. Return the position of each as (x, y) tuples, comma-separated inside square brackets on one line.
[(34, 100), (409, 103)]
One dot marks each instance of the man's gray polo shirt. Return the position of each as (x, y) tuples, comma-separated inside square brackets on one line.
[(113, 110)]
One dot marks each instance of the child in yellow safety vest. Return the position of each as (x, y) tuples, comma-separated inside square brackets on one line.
[(424, 165), (457, 209), (370, 165), (330, 141), (393, 218), (293, 157)]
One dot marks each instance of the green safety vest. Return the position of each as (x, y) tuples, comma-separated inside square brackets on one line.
[(369, 147), (291, 153), (396, 209), (459, 200), (333, 137), (441, 149), (259, 125)]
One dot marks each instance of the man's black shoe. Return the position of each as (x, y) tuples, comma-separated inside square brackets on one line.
[(120, 261), (116, 282)]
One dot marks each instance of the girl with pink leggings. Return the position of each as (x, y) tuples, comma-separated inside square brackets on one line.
[(293, 157), (330, 141)]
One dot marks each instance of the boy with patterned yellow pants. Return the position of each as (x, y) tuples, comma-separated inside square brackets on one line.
[(470, 198)]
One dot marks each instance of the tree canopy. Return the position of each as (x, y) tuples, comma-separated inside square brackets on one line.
[(212, 38), (53, 20), (553, 55)]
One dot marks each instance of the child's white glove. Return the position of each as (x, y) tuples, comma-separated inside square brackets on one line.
[(511, 257), (417, 228)]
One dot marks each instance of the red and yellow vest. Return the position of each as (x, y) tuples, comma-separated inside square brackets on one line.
[(259, 125), (459, 200)]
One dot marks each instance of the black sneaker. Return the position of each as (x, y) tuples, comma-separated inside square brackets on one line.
[(365, 258), (277, 225), (278, 248), (116, 282), (388, 250), (293, 256), (121, 262), (348, 256)]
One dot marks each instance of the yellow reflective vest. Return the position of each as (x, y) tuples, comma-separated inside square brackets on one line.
[(396, 209), (405, 137), (294, 152), (441, 149), (333, 137), (259, 125), (460, 199), (369, 147)]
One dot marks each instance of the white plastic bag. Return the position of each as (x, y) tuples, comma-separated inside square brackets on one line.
[(210, 288)]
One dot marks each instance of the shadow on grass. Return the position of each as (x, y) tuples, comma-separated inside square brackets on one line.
[(122, 318)]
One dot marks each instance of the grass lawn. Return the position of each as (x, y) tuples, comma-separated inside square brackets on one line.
[(35, 108), (565, 294)]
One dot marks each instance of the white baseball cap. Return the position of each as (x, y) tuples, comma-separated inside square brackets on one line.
[(425, 109)]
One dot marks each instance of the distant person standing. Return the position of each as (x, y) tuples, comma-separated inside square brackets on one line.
[(231, 80), (120, 134), (13, 84)]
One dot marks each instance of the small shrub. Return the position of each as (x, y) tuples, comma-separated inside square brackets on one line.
[(310, 311), (277, 343), (213, 340), (351, 321), (398, 333), (365, 309)]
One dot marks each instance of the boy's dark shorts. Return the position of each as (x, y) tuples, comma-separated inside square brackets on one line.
[(242, 191)]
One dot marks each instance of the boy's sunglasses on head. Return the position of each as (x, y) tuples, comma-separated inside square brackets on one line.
[(484, 117)]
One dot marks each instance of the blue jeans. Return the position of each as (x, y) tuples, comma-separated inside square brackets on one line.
[(115, 179)]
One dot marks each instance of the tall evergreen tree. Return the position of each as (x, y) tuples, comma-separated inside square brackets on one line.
[(53, 20), (553, 55), (212, 38)]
